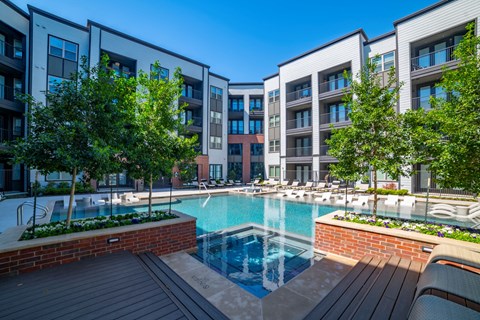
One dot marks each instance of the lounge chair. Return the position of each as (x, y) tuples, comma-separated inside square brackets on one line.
[(445, 252), (284, 183), (320, 186), (130, 197), (392, 200), (430, 307), (211, 184), (97, 199), (308, 185), (345, 200), (334, 188), (408, 201), (443, 206), (362, 201), (299, 194), (229, 183), (66, 201), (256, 182), (287, 193), (237, 183), (473, 216), (324, 197), (294, 184), (115, 199), (362, 188), (222, 183)]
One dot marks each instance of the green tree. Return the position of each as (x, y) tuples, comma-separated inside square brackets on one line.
[(456, 120), (376, 139), (73, 131), (155, 141)]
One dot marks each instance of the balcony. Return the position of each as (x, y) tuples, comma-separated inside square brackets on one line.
[(299, 97), (433, 62), (8, 101), (256, 112), (299, 126), (333, 88), (9, 135), (12, 56), (299, 155), (424, 102), (337, 119), (235, 113), (195, 124), (194, 98)]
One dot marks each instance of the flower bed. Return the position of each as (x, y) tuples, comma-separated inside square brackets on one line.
[(103, 222), (440, 230)]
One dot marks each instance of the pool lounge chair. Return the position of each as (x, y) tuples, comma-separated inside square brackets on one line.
[(345, 200), (362, 201), (237, 183), (229, 183), (66, 201), (294, 184), (256, 182), (130, 197), (334, 188), (308, 185), (324, 197), (115, 199), (456, 254), (443, 206), (429, 307), (287, 193), (284, 184), (211, 184), (97, 199), (473, 216), (320, 186), (408, 201), (362, 188), (299, 194), (392, 200)]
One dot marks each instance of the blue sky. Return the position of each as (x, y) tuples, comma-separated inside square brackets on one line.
[(241, 40)]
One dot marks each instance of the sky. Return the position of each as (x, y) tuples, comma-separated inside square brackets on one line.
[(241, 40)]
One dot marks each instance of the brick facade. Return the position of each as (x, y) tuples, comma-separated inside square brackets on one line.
[(160, 240), (246, 140)]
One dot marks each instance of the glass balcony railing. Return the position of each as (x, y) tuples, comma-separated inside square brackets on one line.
[(8, 93), (299, 94), (299, 152), (11, 51), (194, 121), (334, 117), (324, 149), (9, 135), (304, 122), (434, 58), (192, 94), (334, 85), (424, 102)]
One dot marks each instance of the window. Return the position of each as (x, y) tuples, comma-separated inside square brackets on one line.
[(16, 172), (384, 62), (274, 121), (216, 142), (274, 172), (235, 149), (216, 93), (159, 72), (215, 117), (58, 176), (53, 83), (274, 146), (257, 170), (235, 104), (338, 112), (17, 126), (63, 49), (256, 149), (383, 176), (235, 170), (235, 126), (273, 96), (256, 104), (336, 81), (187, 90), (215, 171), (17, 49), (256, 127)]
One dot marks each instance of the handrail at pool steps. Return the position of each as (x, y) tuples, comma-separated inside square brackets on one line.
[(42, 208)]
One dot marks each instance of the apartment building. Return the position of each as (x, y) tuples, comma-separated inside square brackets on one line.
[(245, 131)]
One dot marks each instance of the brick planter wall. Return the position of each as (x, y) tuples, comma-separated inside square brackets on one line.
[(353, 240), (158, 237)]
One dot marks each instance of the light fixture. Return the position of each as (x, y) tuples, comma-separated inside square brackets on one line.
[(112, 240)]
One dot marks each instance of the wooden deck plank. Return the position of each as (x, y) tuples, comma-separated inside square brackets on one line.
[(324, 306), (148, 311), (407, 292)]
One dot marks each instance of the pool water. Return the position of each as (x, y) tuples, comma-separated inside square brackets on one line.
[(257, 260)]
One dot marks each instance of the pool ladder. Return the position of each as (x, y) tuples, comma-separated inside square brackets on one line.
[(209, 195), (41, 213)]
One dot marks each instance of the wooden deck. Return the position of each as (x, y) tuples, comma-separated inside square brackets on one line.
[(374, 289), (116, 286)]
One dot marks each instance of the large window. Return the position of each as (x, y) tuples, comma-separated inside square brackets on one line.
[(59, 176), (63, 49), (215, 171), (274, 172), (235, 170), (257, 170), (273, 96), (274, 146), (338, 112), (336, 81), (256, 127), (159, 72), (216, 93), (215, 117), (384, 62), (235, 104), (256, 104), (235, 149), (274, 121), (235, 126), (256, 149), (216, 142), (53, 83)]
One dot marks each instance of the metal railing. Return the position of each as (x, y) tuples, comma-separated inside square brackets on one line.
[(334, 117), (10, 51), (192, 94), (299, 152), (301, 175), (433, 58), (324, 149), (424, 102), (333, 85), (299, 94), (41, 213), (8, 93), (9, 135), (194, 121), (304, 122)]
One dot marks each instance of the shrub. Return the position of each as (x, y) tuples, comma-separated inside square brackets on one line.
[(401, 192), (390, 186)]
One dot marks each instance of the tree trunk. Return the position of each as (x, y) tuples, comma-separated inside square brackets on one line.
[(150, 197), (375, 195), (72, 197)]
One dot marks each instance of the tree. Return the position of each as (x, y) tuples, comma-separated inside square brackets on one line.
[(376, 140), (73, 131), (155, 142), (456, 120)]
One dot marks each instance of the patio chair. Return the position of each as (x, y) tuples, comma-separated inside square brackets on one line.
[(237, 183), (345, 200), (392, 200), (445, 252), (114, 199), (320, 186), (220, 184), (97, 199), (284, 184), (362, 188), (211, 184), (308, 185), (294, 184), (430, 307), (229, 183), (408, 201), (287, 193), (256, 182), (473, 216), (299, 194), (130, 197), (443, 206), (324, 197), (66, 201), (334, 188), (362, 201)]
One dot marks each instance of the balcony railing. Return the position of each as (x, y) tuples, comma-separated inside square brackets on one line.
[(434, 58), (334, 117), (9, 135), (195, 121), (424, 102), (334, 85), (324, 149), (304, 122), (299, 152), (192, 94), (8, 93), (10, 51), (300, 94)]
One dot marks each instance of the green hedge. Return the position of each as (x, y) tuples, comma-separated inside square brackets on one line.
[(61, 188), (401, 192)]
